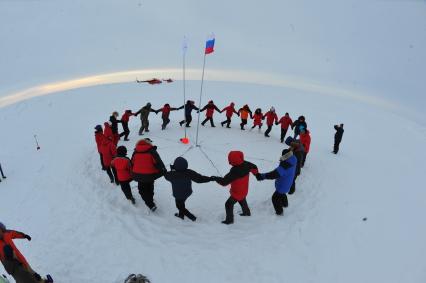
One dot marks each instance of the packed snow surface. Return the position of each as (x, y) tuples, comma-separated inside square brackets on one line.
[(84, 229)]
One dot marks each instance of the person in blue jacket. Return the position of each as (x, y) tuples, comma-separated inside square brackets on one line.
[(181, 178), (283, 176)]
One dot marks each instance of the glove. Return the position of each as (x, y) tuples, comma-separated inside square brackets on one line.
[(37, 276), (260, 177), (8, 252), (27, 237)]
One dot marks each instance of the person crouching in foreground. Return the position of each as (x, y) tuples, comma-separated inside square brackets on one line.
[(13, 261)]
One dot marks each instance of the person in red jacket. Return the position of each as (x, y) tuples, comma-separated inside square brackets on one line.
[(165, 110), (210, 107), (271, 117), (125, 118), (99, 137), (108, 129), (305, 139), (257, 119), (122, 169), (230, 110), (285, 122), (109, 151), (147, 166), (238, 177), (12, 259)]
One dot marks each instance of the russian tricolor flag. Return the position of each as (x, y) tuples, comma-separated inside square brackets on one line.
[(210, 44)]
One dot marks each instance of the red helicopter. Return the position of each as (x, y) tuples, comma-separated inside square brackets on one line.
[(155, 81)]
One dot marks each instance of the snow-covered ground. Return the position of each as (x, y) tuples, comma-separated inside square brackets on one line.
[(361, 63), (84, 230)]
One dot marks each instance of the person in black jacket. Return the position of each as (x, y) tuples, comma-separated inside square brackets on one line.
[(144, 111), (181, 178), (298, 125), (189, 106), (338, 137), (1, 171), (114, 126)]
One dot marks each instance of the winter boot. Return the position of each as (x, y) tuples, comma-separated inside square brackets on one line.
[(292, 189), (285, 201), (190, 215), (181, 216), (227, 221)]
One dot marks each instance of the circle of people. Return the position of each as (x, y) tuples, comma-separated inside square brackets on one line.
[(145, 165)]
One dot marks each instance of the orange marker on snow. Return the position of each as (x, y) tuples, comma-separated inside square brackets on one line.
[(184, 140)]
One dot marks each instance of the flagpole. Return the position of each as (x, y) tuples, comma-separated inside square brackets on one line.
[(184, 89), (199, 104)]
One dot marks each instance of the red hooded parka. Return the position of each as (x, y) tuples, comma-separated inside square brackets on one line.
[(238, 176)]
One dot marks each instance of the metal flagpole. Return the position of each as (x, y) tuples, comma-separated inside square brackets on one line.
[(201, 93), (184, 89)]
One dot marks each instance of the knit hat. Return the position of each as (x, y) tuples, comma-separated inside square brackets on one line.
[(2, 227), (286, 154), (289, 140), (272, 109), (121, 150), (180, 164), (98, 128)]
